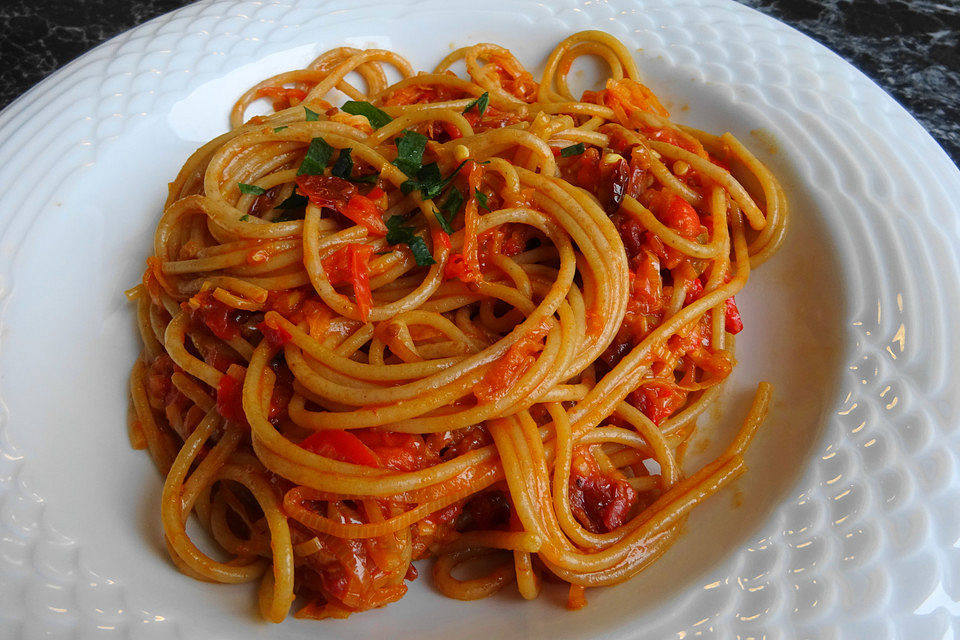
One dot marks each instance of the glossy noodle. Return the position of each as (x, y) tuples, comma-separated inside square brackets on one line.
[(468, 318)]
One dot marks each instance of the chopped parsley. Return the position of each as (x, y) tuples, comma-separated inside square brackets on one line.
[(444, 222), (480, 103), (312, 116), (399, 233), (251, 189), (448, 210), (244, 217), (295, 201), (481, 198), (410, 147), (572, 150), (318, 155), (429, 181), (374, 116), (279, 129), (343, 167)]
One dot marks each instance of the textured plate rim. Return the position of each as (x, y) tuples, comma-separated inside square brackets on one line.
[(939, 178)]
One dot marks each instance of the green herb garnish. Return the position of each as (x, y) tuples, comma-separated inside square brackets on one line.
[(251, 189), (318, 155), (410, 147), (295, 201), (481, 198), (429, 181), (279, 129), (448, 210), (343, 167), (399, 233), (374, 116), (480, 103), (444, 223), (244, 217), (572, 150), (312, 116)]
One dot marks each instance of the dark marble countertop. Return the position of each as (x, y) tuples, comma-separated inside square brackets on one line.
[(909, 47)]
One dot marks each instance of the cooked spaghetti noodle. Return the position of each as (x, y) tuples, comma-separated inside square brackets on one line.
[(473, 319)]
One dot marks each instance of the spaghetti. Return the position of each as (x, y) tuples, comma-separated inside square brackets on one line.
[(473, 319)]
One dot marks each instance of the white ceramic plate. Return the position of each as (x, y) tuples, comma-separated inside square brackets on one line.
[(847, 524)]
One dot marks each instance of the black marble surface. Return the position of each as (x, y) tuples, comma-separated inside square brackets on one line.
[(911, 48)]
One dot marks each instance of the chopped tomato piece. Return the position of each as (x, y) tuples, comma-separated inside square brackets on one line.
[(283, 97), (285, 302), (515, 239), (508, 240), (514, 79), (451, 130), (230, 399), (282, 393), (614, 353), (441, 239), (511, 366), (340, 445), (588, 170), (632, 233), (492, 118), (486, 511), (732, 321), (625, 96), (365, 212), (658, 400), (680, 216), (349, 265), (422, 93), (160, 389), (458, 269), (613, 185), (647, 285), (600, 503), (398, 451), (221, 319), (276, 337), (672, 137), (694, 291), (327, 191)]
